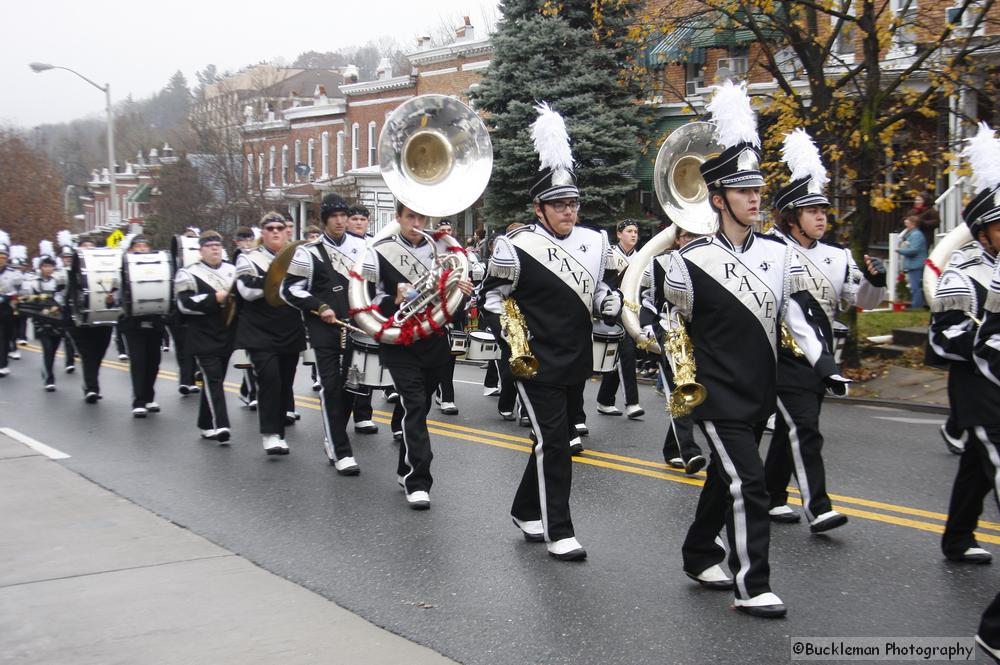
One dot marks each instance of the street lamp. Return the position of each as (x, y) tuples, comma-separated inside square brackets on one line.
[(113, 213)]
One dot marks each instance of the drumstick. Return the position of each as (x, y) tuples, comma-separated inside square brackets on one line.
[(342, 324)]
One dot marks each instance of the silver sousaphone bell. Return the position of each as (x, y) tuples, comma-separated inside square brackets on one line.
[(680, 189)]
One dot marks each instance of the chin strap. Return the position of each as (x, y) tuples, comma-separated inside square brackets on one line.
[(548, 225), (725, 199)]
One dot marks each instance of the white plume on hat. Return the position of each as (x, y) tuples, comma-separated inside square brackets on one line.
[(256, 232), (126, 242), (45, 248), (548, 133), (803, 157), (17, 252), (64, 238), (4, 238), (983, 153), (734, 119)]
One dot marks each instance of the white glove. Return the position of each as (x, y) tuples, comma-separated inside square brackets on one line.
[(611, 306), (649, 332)]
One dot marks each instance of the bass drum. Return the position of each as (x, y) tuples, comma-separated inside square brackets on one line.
[(185, 251), (147, 284), (95, 275), (606, 341)]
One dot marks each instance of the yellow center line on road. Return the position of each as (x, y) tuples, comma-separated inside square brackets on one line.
[(632, 465)]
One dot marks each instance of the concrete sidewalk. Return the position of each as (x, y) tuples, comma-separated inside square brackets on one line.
[(89, 577)]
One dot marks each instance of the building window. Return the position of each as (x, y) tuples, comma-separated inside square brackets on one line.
[(250, 172), (340, 153), (310, 160), (298, 157), (355, 147), (905, 36), (260, 171), (284, 165), (843, 45), (270, 166), (372, 148), (324, 150)]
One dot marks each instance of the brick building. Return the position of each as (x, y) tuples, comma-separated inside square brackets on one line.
[(135, 185)]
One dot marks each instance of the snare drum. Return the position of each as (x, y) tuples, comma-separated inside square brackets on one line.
[(840, 331), (147, 284), (606, 340), (366, 368), (482, 346), (308, 355), (459, 340), (95, 274), (185, 251), (241, 359)]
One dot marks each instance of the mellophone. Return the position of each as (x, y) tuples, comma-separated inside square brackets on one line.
[(42, 305)]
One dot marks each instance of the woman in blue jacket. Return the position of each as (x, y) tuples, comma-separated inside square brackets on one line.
[(913, 249)]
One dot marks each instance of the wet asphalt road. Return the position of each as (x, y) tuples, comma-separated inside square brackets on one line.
[(460, 579)]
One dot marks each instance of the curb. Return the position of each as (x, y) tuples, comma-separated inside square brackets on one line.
[(890, 404)]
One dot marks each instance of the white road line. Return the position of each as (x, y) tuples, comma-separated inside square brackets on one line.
[(37, 446), (913, 421)]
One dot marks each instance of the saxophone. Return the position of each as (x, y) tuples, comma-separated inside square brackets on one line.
[(514, 329), (687, 392)]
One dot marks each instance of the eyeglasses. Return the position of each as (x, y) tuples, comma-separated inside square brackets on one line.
[(274, 227), (562, 206)]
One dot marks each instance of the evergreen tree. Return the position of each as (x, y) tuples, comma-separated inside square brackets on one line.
[(559, 55)]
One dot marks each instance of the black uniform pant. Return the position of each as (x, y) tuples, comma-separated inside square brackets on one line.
[(50, 344), (446, 389), (275, 376), (185, 359), (91, 343), (142, 346), (545, 486), (20, 328), (508, 389), (212, 411), (679, 440), (415, 386), (69, 351), (624, 375), (120, 342), (989, 626), (492, 378), (6, 335), (797, 446), (335, 402), (977, 475), (734, 496), (248, 387), (363, 407)]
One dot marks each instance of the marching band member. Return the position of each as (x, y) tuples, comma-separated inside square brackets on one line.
[(556, 272), (834, 281), (964, 297), (246, 241), (416, 368), (202, 290), (273, 336), (628, 237), (316, 284), (19, 259), (10, 286), (733, 290), (48, 320), (62, 276), (143, 336), (445, 393), (186, 375), (91, 342), (357, 225)]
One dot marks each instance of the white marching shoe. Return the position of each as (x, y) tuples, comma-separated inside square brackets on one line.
[(712, 577), (491, 392), (634, 411), (567, 549), (275, 445), (347, 466), (222, 436), (608, 410), (533, 530), (153, 407), (419, 500), (139, 412), (449, 408), (828, 520), (16, 355), (766, 605)]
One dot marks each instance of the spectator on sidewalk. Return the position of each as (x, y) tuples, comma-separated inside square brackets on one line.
[(927, 215), (913, 249)]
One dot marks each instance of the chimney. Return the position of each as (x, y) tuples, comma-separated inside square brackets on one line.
[(384, 71), (465, 32), (139, 158), (167, 150), (351, 74), (154, 156), (423, 42)]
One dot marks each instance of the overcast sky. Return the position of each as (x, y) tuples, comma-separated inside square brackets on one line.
[(137, 46)]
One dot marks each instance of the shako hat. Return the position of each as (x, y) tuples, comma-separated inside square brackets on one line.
[(983, 153), (736, 129), (809, 178), (556, 179)]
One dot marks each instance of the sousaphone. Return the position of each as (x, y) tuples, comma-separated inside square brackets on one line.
[(683, 195)]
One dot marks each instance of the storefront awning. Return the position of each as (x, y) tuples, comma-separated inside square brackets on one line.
[(675, 47)]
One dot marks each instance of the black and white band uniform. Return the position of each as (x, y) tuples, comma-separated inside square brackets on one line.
[(272, 336), (48, 324), (10, 286), (836, 283), (734, 289), (393, 264), (201, 290), (62, 275), (316, 284), (624, 375), (965, 333), (357, 225)]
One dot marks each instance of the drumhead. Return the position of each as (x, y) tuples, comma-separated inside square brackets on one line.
[(609, 333), (93, 275), (147, 284), (482, 336), (363, 341)]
